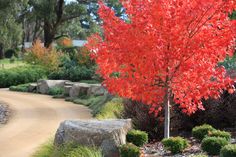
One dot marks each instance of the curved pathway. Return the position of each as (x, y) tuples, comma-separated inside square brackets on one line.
[(34, 119)]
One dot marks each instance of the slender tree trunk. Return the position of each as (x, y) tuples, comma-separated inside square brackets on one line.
[(1, 51), (23, 37), (167, 114)]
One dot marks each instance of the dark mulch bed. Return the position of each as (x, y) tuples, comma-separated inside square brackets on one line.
[(156, 149)]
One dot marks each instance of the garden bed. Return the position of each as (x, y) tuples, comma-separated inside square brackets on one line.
[(156, 148)]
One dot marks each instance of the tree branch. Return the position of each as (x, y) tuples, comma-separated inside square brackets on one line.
[(59, 11)]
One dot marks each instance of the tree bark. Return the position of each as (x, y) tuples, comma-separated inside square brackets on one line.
[(1, 51), (23, 37), (49, 34), (167, 114)]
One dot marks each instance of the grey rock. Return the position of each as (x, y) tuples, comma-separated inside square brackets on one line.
[(97, 89), (79, 89), (68, 83), (43, 86), (67, 89), (107, 135), (32, 87)]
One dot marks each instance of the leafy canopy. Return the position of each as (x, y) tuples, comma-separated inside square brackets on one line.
[(170, 45)]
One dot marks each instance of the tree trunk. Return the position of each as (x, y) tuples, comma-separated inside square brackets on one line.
[(167, 114), (1, 51), (23, 37), (49, 34)]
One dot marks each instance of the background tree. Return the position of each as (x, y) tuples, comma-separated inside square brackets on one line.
[(10, 29), (55, 15), (167, 53)]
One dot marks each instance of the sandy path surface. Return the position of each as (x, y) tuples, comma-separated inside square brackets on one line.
[(34, 119)]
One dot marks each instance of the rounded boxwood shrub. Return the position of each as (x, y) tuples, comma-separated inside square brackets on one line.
[(219, 133), (137, 137), (175, 144), (129, 150), (213, 145), (199, 132), (228, 151)]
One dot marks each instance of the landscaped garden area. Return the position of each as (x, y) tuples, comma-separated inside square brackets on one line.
[(158, 77)]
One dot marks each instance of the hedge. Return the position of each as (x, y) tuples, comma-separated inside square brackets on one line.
[(21, 75)]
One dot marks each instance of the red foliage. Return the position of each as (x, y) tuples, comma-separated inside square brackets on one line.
[(174, 44)]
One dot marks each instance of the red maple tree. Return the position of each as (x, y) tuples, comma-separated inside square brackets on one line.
[(166, 50)]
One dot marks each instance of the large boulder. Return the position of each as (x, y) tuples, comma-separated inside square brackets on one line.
[(97, 90), (79, 89), (44, 85), (107, 135), (67, 90)]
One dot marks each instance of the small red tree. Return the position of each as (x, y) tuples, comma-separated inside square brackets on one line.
[(166, 51)]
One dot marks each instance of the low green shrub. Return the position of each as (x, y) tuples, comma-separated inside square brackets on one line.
[(95, 103), (129, 150), (21, 75), (137, 137), (175, 144), (56, 91), (111, 110), (213, 145), (67, 150), (12, 59), (20, 88), (199, 132), (74, 73), (229, 62), (228, 151), (219, 133), (10, 53)]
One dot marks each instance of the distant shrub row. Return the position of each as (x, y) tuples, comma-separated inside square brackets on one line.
[(21, 75)]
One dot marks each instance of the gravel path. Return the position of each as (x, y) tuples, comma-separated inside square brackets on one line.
[(4, 113), (34, 119)]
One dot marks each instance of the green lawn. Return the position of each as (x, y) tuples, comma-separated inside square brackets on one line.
[(6, 64)]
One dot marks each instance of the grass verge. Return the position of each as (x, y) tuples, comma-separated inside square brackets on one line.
[(67, 150)]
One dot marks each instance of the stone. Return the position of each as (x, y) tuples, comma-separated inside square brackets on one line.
[(107, 135), (67, 89), (97, 90), (44, 85), (68, 83), (79, 89), (32, 88)]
